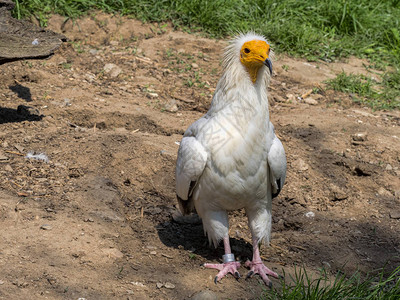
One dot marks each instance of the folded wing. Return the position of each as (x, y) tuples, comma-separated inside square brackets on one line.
[(277, 165), (192, 158)]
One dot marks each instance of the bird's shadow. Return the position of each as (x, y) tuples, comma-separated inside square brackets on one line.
[(189, 235), (22, 113), (22, 92)]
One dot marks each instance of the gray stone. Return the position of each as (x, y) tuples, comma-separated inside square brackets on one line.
[(112, 69), (152, 95), (46, 227), (205, 295), (8, 168), (310, 101), (300, 165), (395, 214), (359, 137), (169, 285), (159, 285), (384, 192), (19, 148), (171, 106), (3, 157), (337, 194)]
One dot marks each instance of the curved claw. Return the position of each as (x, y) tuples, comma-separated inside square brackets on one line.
[(236, 275), (249, 275), (224, 269), (259, 268)]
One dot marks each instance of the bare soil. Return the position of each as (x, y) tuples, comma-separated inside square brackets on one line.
[(99, 219)]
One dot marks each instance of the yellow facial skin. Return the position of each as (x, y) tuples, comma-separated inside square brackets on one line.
[(253, 55)]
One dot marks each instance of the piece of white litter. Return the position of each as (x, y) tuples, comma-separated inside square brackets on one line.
[(310, 214), (138, 283), (178, 143), (310, 65), (41, 156), (35, 42)]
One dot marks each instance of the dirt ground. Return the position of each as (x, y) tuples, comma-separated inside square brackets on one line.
[(99, 220)]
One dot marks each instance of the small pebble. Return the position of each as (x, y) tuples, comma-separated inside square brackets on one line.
[(169, 285), (326, 264), (384, 192), (112, 69), (171, 106), (300, 165), (159, 285), (205, 295), (395, 214), (152, 95), (46, 227), (360, 137), (137, 283), (310, 101), (19, 148), (113, 253), (3, 157), (310, 214)]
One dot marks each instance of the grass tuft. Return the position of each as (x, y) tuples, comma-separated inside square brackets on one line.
[(303, 287), (365, 90)]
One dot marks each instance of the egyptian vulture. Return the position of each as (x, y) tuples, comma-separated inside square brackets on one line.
[(231, 158)]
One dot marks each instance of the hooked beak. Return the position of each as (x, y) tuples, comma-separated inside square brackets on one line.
[(268, 63)]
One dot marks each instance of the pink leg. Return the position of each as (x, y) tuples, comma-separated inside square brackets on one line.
[(225, 268), (257, 266)]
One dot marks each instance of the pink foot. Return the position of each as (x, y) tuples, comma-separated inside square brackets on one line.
[(224, 269), (258, 267)]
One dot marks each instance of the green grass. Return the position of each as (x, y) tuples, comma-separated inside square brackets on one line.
[(314, 29), (377, 95), (302, 286)]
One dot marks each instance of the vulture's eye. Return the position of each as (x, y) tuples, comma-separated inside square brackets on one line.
[(246, 50)]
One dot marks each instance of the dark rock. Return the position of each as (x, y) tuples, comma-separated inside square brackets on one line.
[(25, 110)]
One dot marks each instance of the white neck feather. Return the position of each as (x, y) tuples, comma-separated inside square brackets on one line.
[(235, 90)]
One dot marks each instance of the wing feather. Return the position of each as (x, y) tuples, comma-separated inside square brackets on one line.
[(277, 165), (192, 158)]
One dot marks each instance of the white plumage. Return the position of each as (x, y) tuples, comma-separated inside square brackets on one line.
[(231, 158)]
